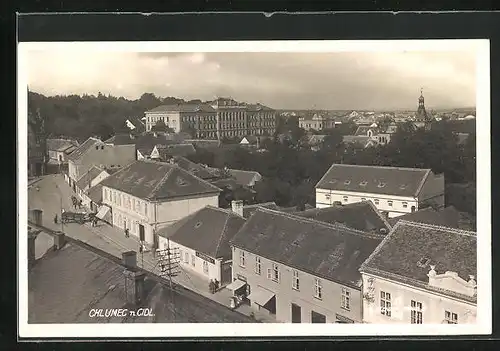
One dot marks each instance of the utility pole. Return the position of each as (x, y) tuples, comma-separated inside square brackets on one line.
[(169, 267)]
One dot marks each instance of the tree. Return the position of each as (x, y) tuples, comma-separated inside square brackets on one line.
[(104, 131), (160, 126)]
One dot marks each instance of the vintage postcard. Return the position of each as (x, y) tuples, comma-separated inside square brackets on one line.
[(255, 188)]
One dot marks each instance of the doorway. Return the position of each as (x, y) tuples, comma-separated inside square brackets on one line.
[(317, 317), (141, 232), (296, 313)]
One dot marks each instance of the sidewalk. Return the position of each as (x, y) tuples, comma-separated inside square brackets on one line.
[(53, 190)]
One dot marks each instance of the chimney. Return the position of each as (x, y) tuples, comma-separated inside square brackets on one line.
[(237, 207), (31, 248), (129, 259), (134, 286), (59, 240)]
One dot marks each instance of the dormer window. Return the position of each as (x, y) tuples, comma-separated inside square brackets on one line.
[(347, 182), (381, 184), (402, 186), (363, 183), (423, 262)]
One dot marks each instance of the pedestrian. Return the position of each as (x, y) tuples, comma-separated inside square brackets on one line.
[(216, 285), (140, 248), (211, 286), (55, 219), (126, 233)]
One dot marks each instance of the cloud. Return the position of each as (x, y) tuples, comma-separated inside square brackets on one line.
[(347, 80)]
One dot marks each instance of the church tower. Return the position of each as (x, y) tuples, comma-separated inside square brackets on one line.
[(422, 119)]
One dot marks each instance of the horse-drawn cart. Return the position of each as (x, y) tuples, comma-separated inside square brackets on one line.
[(77, 217)]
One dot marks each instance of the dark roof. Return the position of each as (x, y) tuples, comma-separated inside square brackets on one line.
[(334, 252), (409, 242), (95, 193), (244, 177), (360, 215), (183, 108), (249, 210), (194, 168), (83, 148), (363, 130), (60, 144), (257, 107), (207, 231), (157, 180), (448, 217), (204, 143), (228, 183), (146, 143), (64, 285), (85, 180), (121, 139), (374, 179), (176, 150)]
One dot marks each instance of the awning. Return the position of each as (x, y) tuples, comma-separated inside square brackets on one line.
[(260, 296), (237, 284), (342, 319), (103, 211)]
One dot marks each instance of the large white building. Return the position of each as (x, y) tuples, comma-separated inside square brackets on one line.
[(421, 274), (394, 191), (147, 195)]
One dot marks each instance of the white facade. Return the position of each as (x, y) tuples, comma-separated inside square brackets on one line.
[(429, 307), (394, 205), (132, 212), (171, 119), (206, 267)]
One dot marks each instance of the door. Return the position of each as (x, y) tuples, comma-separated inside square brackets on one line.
[(296, 313), (141, 232)]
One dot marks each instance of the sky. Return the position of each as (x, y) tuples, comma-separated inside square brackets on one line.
[(336, 81)]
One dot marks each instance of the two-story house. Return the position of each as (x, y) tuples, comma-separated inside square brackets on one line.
[(146, 195), (59, 150), (394, 191), (301, 270), (201, 241), (94, 152), (421, 274)]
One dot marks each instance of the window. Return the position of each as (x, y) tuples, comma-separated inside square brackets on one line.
[(257, 265), (318, 292), (376, 201), (347, 182), (345, 302), (381, 184), (275, 274), (327, 196), (363, 183), (405, 204), (317, 317), (242, 258), (363, 199), (295, 281), (450, 317), (193, 260), (205, 267), (385, 303), (416, 312), (145, 209), (186, 257), (389, 203), (345, 198)]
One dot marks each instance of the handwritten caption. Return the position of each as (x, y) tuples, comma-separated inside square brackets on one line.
[(120, 312)]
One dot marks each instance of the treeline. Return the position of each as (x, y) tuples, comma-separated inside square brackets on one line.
[(291, 169), (80, 117)]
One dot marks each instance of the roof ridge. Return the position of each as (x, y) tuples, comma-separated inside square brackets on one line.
[(162, 181), (225, 210), (422, 182), (469, 233), (383, 167), (386, 222), (223, 231), (121, 170), (324, 224), (324, 175)]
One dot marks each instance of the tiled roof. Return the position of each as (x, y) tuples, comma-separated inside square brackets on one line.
[(157, 180), (363, 130), (60, 144), (249, 210), (176, 150), (374, 179), (409, 242), (95, 193), (448, 217), (207, 231), (121, 139), (194, 168), (334, 252), (360, 215), (83, 148), (183, 108), (245, 177), (85, 180)]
